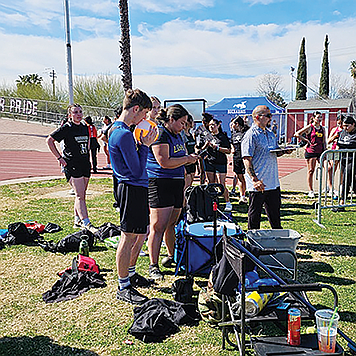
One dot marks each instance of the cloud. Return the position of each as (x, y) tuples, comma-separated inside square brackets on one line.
[(262, 2), (235, 54), (183, 58), (164, 6)]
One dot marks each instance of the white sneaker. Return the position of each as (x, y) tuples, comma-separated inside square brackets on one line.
[(228, 206), (243, 200), (311, 194)]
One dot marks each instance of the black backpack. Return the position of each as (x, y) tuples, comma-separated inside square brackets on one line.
[(199, 204), (182, 290), (70, 243), (19, 234), (106, 230)]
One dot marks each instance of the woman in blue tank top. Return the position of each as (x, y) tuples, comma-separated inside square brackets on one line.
[(165, 167)]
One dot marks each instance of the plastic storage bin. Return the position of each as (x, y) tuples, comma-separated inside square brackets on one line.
[(283, 239)]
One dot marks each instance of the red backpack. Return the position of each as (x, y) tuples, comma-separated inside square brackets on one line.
[(82, 263)]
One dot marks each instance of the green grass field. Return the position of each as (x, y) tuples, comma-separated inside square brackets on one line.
[(96, 323)]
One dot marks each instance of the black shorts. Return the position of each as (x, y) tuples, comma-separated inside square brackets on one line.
[(190, 168), (165, 192), (215, 168), (239, 167), (77, 170), (134, 211), (308, 155)]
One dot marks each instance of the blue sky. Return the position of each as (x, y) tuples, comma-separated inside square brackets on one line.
[(181, 49)]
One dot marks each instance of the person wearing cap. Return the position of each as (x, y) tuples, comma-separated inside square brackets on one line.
[(238, 130), (347, 140), (262, 170)]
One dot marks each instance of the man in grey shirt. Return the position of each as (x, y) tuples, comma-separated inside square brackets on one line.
[(262, 170)]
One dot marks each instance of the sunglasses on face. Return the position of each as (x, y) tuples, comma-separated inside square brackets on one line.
[(269, 115)]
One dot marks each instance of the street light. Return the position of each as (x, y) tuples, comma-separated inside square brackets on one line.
[(69, 52)]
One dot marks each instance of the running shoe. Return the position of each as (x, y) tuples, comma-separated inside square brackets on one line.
[(131, 295), (243, 200), (311, 194), (155, 273), (228, 206), (168, 262), (77, 225)]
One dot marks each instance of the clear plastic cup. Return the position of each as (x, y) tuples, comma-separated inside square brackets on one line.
[(326, 325)]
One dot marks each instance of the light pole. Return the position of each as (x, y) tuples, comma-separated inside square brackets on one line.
[(69, 53), (292, 69)]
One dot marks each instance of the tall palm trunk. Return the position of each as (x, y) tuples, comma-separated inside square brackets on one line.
[(125, 46)]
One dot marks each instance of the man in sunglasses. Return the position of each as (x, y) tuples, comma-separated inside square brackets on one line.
[(262, 170)]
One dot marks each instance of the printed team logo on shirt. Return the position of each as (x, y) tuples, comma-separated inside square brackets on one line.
[(319, 134), (178, 148), (83, 142)]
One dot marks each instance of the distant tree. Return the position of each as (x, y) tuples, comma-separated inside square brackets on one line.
[(301, 92), (29, 86), (125, 46), (353, 69), (102, 90), (270, 86), (29, 79), (324, 86)]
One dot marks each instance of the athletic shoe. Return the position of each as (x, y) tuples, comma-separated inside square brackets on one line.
[(112, 241), (139, 281), (77, 225), (155, 273), (311, 194), (131, 295), (338, 209), (233, 193), (228, 206), (243, 200), (91, 228), (168, 262), (143, 253)]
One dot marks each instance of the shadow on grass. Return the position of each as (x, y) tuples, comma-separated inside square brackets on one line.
[(312, 272), (38, 345), (331, 250)]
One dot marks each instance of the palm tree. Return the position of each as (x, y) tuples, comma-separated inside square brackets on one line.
[(29, 79), (353, 69), (125, 46)]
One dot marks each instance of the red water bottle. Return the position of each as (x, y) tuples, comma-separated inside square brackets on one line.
[(294, 320)]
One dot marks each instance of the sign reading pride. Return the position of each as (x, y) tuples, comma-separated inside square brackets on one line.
[(18, 106)]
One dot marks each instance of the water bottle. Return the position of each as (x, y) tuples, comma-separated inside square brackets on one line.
[(84, 246), (255, 302)]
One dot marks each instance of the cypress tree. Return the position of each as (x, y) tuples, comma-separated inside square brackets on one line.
[(324, 86), (301, 92)]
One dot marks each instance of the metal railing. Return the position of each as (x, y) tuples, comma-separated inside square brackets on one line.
[(337, 181), (47, 112)]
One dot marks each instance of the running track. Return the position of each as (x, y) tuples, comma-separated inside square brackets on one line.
[(17, 164)]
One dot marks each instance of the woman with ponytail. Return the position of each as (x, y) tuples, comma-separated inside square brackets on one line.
[(165, 167)]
